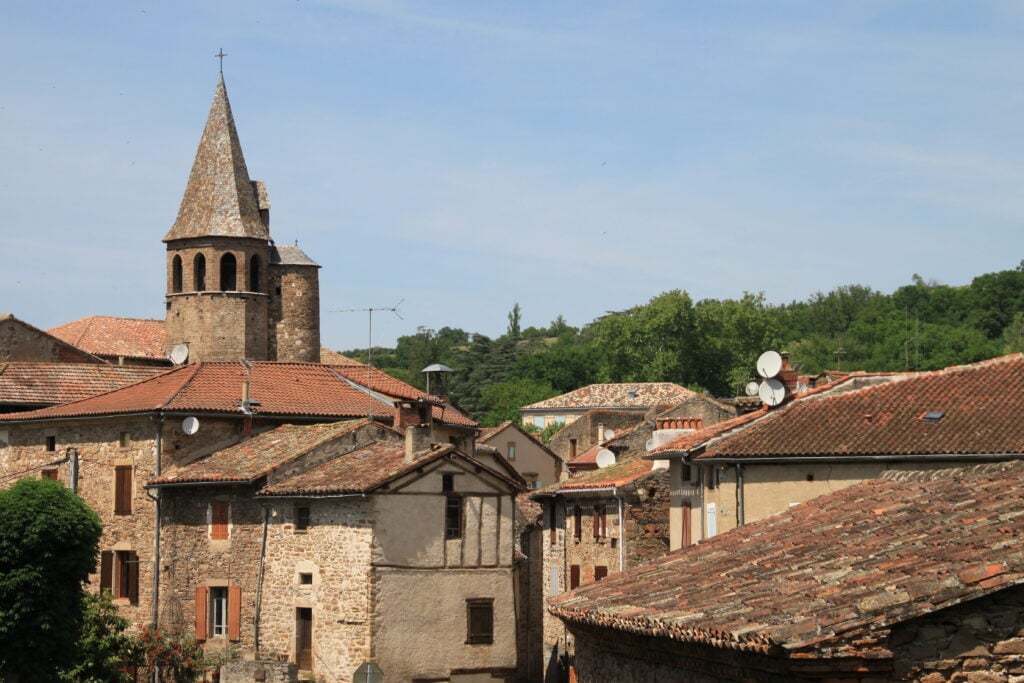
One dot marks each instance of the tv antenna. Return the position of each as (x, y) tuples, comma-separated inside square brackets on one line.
[(369, 338)]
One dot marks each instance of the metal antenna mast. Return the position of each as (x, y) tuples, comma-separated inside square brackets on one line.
[(369, 336)]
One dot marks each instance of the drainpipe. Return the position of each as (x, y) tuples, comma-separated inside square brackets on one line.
[(158, 446), (703, 513), (259, 584), (72, 454), (739, 495)]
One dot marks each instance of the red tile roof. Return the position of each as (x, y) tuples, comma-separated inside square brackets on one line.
[(37, 384), (981, 407), (280, 389), (832, 571), (328, 357), (109, 337), (624, 395), (620, 474)]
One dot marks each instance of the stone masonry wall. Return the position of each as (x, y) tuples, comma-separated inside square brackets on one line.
[(647, 519), (295, 314), (22, 343), (584, 430)]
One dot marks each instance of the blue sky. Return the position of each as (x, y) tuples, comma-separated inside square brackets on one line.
[(575, 157)]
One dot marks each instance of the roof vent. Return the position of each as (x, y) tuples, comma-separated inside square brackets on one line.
[(632, 393), (933, 416)]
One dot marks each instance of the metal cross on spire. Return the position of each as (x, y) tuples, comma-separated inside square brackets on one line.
[(221, 55)]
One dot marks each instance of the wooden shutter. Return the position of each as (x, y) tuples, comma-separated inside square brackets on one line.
[(574, 576), (106, 570), (577, 523), (202, 612), (687, 539), (554, 531), (597, 522), (600, 572), (234, 612), (123, 490), (133, 577), (219, 520)]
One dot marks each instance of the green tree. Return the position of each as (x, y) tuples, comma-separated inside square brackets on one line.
[(49, 540), (502, 401), (514, 322), (102, 644)]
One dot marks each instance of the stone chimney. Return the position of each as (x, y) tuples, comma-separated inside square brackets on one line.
[(787, 375), (417, 440), (413, 413)]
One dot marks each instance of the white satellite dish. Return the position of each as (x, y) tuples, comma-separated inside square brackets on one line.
[(772, 392), (751, 389), (609, 434), (605, 458), (190, 425), (769, 364), (179, 354)]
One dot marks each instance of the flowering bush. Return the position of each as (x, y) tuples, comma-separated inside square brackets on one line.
[(182, 658)]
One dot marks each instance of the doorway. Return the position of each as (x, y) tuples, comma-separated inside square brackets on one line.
[(304, 638)]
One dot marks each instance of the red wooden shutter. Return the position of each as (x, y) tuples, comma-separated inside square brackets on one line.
[(202, 595), (106, 570), (123, 490), (133, 577), (234, 612), (577, 520), (600, 572), (219, 519)]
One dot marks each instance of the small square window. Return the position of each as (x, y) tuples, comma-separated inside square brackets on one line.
[(301, 518), (51, 443), (480, 621), (511, 450), (50, 474), (305, 578)]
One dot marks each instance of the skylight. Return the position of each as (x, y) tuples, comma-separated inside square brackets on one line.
[(933, 416)]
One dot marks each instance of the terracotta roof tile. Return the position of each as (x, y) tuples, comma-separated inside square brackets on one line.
[(36, 384), (280, 389), (617, 475), (980, 407), (828, 571), (110, 337), (625, 395), (328, 357)]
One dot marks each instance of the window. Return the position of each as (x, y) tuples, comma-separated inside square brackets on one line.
[(220, 514), (176, 274), (600, 522), (511, 450), (50, 474), (228, 266), (577, 523), (254, 274), (572, 449), (301, 518), (5, 438), (218, 612), (119, 574), (124, 439), (574, 576), (123, 490), (552, 513), (600, 572), (199, 272), (51, 443), (538, 422), (480, 620), (453, 517), (305, 578), (560, 419), (447, 483)]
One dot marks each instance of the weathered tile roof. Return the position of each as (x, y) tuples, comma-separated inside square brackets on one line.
[(290, 255), (255, 458), (980, 406), (487, 432), (626, 395), (36, 384), (831, 572), (219, 199), (328, 357), (620, 474), (281, 389), (110, 337)]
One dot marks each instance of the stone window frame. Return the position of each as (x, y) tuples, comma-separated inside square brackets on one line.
[(119, 574)]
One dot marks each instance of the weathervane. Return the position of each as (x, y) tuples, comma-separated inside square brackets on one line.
[(221, 55)]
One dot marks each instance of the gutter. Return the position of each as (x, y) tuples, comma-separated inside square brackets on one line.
[(158, 447), (622, 536), (911, 457)]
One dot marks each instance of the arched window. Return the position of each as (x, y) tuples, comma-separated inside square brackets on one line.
[(254, 274), (199, 272), (228, 265), (176, 274)]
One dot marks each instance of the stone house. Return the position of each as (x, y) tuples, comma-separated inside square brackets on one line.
[(534, 461), (339, 544), (119, 341), (761, 463), (596, 524), (21, 342), (631, 396), (910, 577)]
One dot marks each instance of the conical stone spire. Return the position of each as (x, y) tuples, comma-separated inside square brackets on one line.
[(219, 199)]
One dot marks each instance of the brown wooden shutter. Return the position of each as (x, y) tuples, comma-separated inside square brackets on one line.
[(202, 611), (574, 576), (597, 522), (600, 572), (219, 519), (234, 612), (133, 577), (577, 519), (106, 570), (123, 490)]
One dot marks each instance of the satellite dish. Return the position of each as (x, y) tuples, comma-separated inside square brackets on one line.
[(605, 458), (609, 434), (179, 354), (772, 392), (769, 364), (751, 389), (190, 425)]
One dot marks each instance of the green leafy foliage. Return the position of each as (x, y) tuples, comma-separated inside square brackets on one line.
[(103, 647), (48, 547)]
